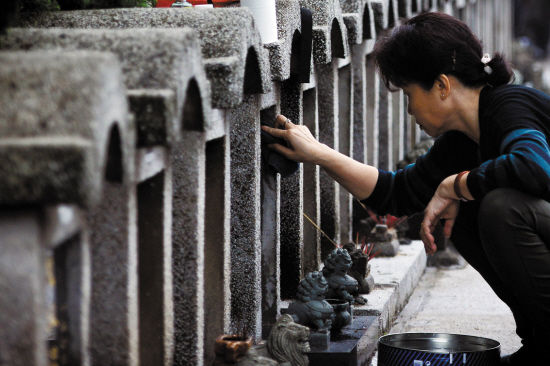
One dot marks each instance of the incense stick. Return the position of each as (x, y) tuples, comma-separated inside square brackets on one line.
[(318, 228)]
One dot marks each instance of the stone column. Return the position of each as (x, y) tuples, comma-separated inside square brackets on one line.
[(246, 312), (188, 187), (327, 94), (373, 97), (22, 307), (359, 118), (312, 189), (292, 221), (385, 138), (270, 237), (398, 128), (114, 300), (345, 142), (216, 244)]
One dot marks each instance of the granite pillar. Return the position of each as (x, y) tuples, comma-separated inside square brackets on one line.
[(385, 139), (292, 221), (216, 244), (270, 237), (114, 299), (188, 231), (312, 190), (22, 307), (246, 312), (327, 94), (345, 143), (373, 97), (398, 128)]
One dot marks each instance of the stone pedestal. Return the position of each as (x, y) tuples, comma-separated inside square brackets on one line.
[(342, 350)]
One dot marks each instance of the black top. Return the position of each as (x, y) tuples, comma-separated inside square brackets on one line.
[(513, 152)]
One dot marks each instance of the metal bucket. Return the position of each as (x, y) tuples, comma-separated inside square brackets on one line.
[(435, 349)]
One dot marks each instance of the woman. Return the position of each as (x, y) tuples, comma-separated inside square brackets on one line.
[(487, 175)]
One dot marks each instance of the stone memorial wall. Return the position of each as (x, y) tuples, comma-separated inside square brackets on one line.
[(139, 219)]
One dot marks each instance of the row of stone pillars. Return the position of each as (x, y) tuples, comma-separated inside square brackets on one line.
[(173, 229)]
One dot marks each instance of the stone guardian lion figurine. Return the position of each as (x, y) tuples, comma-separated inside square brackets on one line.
[(289, 342)]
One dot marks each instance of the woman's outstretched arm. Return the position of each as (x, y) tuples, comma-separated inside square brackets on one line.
[(357, 178)]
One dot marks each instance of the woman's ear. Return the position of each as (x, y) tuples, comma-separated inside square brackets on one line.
[(443, 86)]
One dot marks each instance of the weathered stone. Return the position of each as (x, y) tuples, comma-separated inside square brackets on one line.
[(23, 312), (288, 341), (54, 141), (231, 47), (329, 30), (292, 221), (288, 44), (157, 60), (246, 312)]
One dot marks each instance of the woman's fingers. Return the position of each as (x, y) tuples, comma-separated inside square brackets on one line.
[(448, 228), (274, 131), (283, 150), (283, 122), (427, 237)]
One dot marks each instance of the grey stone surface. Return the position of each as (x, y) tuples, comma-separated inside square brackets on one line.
[(234, 57), (246, 312), (327, 88), (152, 59), (292, 202), (311, 189), (114, 295), (54, 139), (23, 312), (353, 14), (188, 233), (270, 236), (329, 30), (289, 32), (385, 119), (345, 144)]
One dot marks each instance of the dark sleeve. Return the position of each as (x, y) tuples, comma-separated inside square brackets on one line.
[(514, 129), (523, 165), (409, 190)]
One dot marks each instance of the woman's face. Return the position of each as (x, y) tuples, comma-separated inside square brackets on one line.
[(426, 107)]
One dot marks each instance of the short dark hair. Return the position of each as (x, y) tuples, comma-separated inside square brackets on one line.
[(431, 44)]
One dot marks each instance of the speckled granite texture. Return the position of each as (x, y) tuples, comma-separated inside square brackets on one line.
[(329, 30), (353, 14), (231, 46), (150, 59), (288, 31), (56, 125)]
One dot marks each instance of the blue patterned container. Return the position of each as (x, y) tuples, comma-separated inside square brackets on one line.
[(437, 349)]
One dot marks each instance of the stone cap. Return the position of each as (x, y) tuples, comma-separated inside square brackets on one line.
[(234, 57), (155, 59), (330, 37), (61, 113), (289, 26), (353, 12)]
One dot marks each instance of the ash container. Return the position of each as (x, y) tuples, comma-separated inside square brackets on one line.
[(435, 349)]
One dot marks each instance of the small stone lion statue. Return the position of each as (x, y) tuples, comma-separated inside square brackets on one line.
[(310, 307), (289, 341), (340, 284)]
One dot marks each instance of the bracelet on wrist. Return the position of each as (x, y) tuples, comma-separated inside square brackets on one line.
[(456, 186)]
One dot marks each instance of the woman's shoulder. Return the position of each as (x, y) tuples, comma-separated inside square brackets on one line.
[(511, 96)]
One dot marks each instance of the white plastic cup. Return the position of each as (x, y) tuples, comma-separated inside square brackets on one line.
[(265, 18)]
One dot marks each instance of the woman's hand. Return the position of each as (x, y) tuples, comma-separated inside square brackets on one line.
[(303, 147), (443, 205)]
